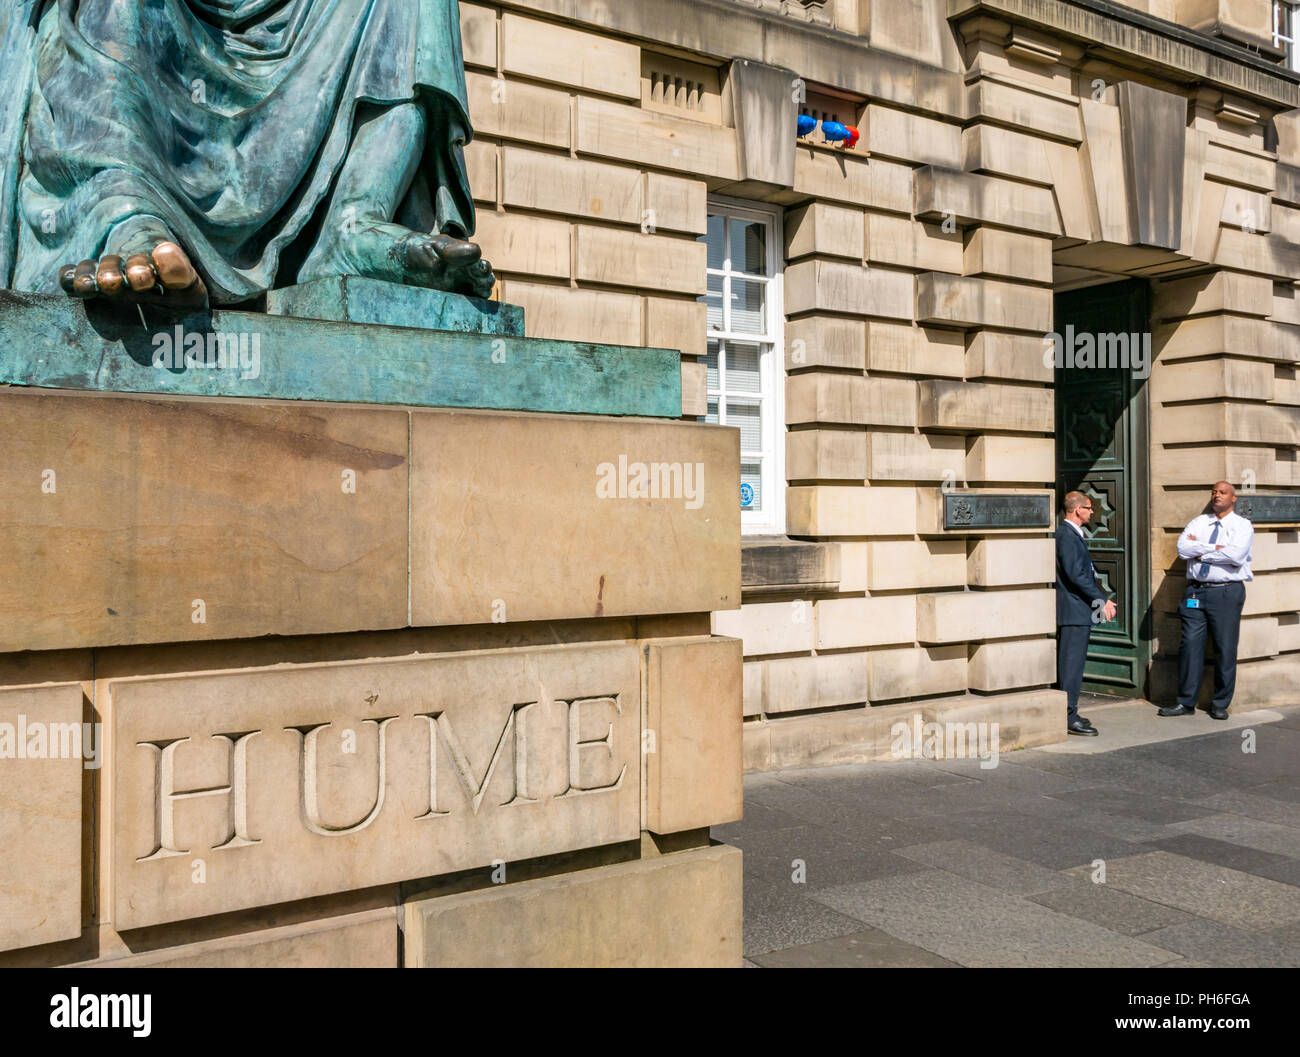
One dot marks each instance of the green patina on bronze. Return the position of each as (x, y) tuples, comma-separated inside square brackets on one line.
[(57, 343), (275, 141)]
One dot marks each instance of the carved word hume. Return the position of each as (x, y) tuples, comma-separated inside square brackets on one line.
[(258, 787)]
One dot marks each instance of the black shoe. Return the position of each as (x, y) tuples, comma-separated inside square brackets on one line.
[(1084, 720), (1082, 728), (1216, 713), (1178, 710)]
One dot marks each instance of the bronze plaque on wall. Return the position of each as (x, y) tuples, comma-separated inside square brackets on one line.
[(996, 511)]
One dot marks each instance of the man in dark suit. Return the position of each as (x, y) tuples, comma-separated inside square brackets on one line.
[(1080, 604)]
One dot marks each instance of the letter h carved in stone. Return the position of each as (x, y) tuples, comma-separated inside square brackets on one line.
[(166, 794)]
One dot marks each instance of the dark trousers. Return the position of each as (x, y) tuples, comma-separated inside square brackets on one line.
[(1220, 610), (1071, 654)]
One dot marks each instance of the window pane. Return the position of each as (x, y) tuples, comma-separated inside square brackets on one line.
[(714, 301), (748, 299), (712, 416), (748, 247), (751, 486), (749, 418), (711, 366), (714, 240), (743, 373)]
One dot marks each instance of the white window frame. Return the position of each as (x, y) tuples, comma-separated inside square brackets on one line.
[(1280, 37), (771, 519)]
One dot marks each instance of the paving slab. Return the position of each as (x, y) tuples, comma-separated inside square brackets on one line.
[(821, 857), (868, 949), (976, 925), (1120, 912), (1224, 946), (1054, 842), (977, 863), (1123, 770), (1145, 806), (1251, 832), (1219, 852), (1231, 897), (780, 915), (1128, 723), (1252, 805), (1218, 757)]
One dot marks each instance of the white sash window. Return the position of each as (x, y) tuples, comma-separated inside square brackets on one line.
[(745, 358)]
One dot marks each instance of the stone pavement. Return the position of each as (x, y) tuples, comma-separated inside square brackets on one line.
[(944, 863)]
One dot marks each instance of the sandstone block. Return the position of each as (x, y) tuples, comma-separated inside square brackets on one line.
[(877, 621), (545, 51), (44, 750), (841, 510), (152, 520), (915, 457), (993, 457), (907, 243), (959, 301), (674, 204), (1203, 379), (825, 229), (630, 258), (695, 396), (643, 137), (828, 455), (900, 348), (1003, 562), (694, 708), (478, 35), (1007, 255), (977, 406), (795, 684), (915, 672), (659, 488), (825, 341), (1014, 663), (972, 616), (673, 323), (968, 198), (815, 285), (896, 565), (1014, 357), (910, 138), (769, 627), (557, 184), (844, 399), (523, 244), (366, 940), (828, 740), (519, 111), (481, 165), (677, 910), (601, 316)]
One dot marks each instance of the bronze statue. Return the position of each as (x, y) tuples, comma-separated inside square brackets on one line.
[(179, 151)]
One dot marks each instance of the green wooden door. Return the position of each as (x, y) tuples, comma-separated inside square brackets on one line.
[(1101, 450)]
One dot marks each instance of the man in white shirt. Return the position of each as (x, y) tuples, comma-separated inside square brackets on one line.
[(1217, 549)]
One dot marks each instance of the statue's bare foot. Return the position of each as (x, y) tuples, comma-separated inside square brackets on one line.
[(163, 277), (447, 263)]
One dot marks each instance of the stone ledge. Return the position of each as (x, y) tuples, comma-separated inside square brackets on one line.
[(1026, 719), (1159, 45), (772, 565)]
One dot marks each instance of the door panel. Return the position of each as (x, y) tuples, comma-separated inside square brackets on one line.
[(1101, 451)]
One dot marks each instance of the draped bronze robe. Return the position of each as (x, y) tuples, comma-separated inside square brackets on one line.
[(229, 120)]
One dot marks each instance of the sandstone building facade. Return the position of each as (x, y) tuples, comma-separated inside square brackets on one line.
[(873, 317)]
